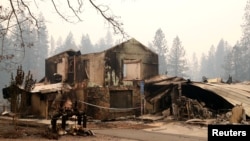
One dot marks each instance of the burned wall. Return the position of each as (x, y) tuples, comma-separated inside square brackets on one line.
[(64, 65), (129, 61), (99, 98), (104, 107), (93, 65), (39, 107), (56, 65)]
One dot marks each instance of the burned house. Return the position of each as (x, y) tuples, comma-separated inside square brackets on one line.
[(103, 84), (107, 84)]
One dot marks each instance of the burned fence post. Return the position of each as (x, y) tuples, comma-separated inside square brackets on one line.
[(142, 96), (174, 98)]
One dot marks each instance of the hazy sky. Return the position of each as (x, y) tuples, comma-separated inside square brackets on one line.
[(198, 23)]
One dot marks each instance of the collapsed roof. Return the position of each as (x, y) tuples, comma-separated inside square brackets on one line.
[(216, 96)]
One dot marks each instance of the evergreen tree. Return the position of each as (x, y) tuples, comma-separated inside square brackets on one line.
[(101, 45), (193, 71), (86, 45), (104, 43), (59, 45), (52, 46), (245, 40), (69, 43), (219, 58), (35, 48), (6, 65), (159, 45), (11, 11), (238, 63), (245, 44), (204, 70), (109, 39), (7, 52), (228, 64), (24, 49), (177, 61), (211, 63), (41, 50)]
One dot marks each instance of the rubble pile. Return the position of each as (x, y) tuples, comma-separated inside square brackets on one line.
[(71, 129), (191, 108)]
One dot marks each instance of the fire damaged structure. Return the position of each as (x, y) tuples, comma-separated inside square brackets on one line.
[(108, 84), (185, 99), (104, 84)]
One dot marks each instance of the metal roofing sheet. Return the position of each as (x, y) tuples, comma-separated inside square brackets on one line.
[(47, 88), (234, 93)]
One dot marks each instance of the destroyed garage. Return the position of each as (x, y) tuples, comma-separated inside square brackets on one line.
[(185, 99), (124, 81)]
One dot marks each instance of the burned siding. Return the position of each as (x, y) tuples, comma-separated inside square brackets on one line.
[(99, 99), (112, 73), (124, 101), (56, 66), (94, 68), (70, 73), (50, 70), (63, 65), (81, 69), (121, 98), (119, 65), (37, 107), (113, 92), (110, 103), (129, 61)]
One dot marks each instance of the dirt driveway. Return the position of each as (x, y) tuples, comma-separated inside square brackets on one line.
[(119, 130), (23, 131)]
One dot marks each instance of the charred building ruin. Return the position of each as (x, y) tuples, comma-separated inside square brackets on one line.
[(107, 85), (104, 84)]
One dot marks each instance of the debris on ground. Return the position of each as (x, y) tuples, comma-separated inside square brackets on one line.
[(238, 114)]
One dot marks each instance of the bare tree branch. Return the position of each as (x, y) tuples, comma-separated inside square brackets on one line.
[(73, 10), (80, 3), (19, 26), (59, 13), (10, 26), (111, 19), (35, 3), (4, 33), (30, 12), (13, 16)]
